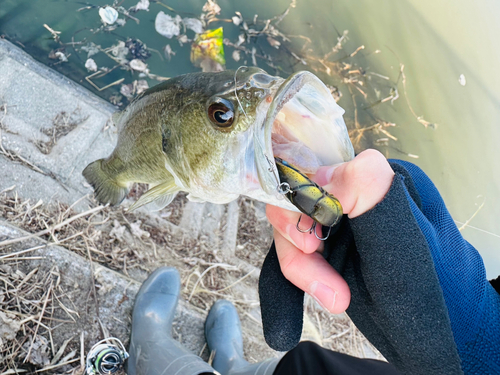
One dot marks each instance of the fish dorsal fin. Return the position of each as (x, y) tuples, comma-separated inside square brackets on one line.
[(161, 195)]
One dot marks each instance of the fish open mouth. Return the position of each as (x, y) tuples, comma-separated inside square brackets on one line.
[(303, 126)]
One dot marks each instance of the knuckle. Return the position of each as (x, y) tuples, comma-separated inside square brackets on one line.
[(288, 265)]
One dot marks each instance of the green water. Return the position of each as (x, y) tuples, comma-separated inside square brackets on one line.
[(437, 41)]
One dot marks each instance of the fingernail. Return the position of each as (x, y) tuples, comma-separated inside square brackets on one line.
[(323, 295), (324, 175)]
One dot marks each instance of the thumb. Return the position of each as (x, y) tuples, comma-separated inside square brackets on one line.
[(324, 175)]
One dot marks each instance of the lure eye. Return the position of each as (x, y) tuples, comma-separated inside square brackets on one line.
[(221, 113)]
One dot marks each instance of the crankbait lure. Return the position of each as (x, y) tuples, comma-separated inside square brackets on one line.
[(308, 197)]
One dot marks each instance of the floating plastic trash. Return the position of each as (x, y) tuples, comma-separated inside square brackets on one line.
[(142, 5), (108, 15), (167, 26), (91, 65), (208, 46), (193, 24), (138, 65)]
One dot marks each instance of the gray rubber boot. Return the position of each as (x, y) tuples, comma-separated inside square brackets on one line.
[(153, 351), (223, 334)]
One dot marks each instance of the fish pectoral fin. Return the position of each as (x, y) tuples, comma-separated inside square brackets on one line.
[(161, 202), (159, 196)]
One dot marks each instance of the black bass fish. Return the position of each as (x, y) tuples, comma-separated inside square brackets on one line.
[(215, 136)]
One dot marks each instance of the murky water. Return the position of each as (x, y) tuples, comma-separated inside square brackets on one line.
[(436, 40)]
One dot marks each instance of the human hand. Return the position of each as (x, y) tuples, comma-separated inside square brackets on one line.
[(359, 185)]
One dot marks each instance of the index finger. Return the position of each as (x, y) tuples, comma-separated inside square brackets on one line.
[(285, 222), (313, 274)]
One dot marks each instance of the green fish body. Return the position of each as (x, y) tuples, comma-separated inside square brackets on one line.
[(214, 135)]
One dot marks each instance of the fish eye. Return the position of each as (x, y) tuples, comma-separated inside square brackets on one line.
[(221, 113)]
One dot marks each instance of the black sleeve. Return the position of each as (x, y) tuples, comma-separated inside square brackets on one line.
[(397, 302)]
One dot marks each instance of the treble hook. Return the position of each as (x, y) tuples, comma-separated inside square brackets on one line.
[(313, 229)]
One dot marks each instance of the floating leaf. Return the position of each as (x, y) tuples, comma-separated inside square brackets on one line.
[(208, 45), (193, 24), (167, 26), (91, 65), (108, 15)]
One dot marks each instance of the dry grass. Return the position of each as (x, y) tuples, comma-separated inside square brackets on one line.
[(29, 303), (254, 232), (62, 124), (134, 244)]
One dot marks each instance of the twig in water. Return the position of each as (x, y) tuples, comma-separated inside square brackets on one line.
[(464, 225)]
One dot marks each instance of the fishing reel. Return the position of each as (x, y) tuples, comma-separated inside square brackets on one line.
[(105, 357)]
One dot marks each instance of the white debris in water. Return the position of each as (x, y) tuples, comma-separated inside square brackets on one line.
[(462, 80), (91, 49), (193, 24), (127, 90), (108, 15), (141, 86), (209, 65), (120, 51), (61, 56), (241, 39), (237, 19), (138, 65), (183, 39), (133, 88), (167, 26), (236, 55), (142, 5), (168, 52), (211, 7), (91, 65), (254, 60)]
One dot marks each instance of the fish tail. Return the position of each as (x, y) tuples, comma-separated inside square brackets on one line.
[(107, 189)]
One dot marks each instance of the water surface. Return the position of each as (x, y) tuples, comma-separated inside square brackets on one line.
[(436, 40)]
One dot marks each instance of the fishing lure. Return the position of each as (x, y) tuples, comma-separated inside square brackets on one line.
[(308, 197), (105, 357)]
